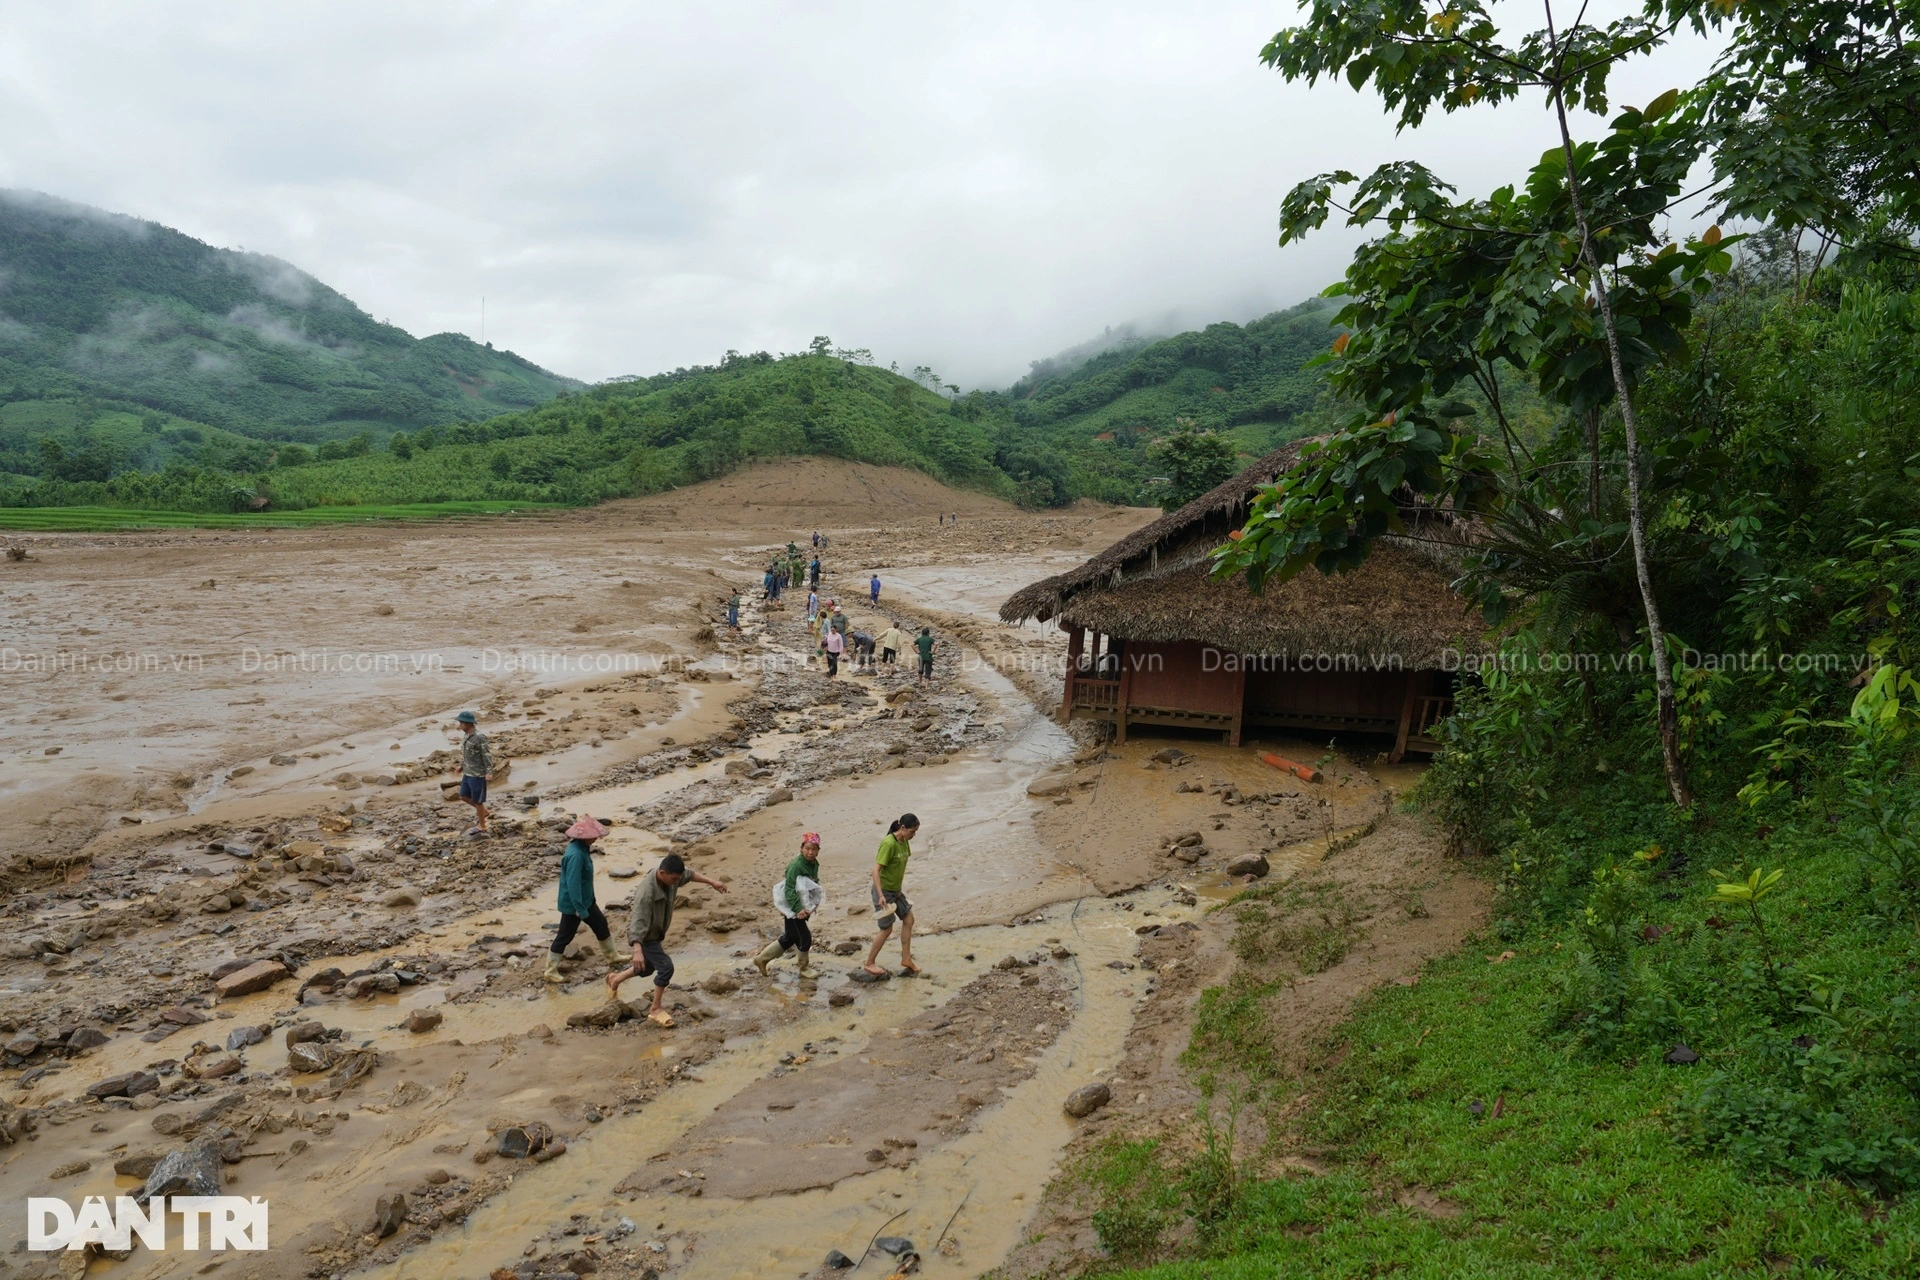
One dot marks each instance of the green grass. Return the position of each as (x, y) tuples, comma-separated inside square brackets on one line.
[(89, 519)]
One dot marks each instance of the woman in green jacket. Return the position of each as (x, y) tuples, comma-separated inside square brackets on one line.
[(577, 902), (797, 897)]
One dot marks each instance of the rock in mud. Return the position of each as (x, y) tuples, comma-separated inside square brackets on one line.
[(305, 1032), (181, 1016), (780, 795), (898, 1246), (72, 1169), (352, 1066), (1249, 864), (1088, 1099), (839, 999), (193, 1172), (371, 984), (555, 1148), (522, 1140), (255, 977), (140, 1165), (1009, 962), (283, 759), (86, 1038), (837, 1261), (720, 984), (310, 1056), (1042, 787), (402, 898), (389, 1215), (125, 1085), (421, 1020), (861, 975), (243, 1037)]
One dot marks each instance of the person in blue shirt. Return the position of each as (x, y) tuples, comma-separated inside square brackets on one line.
[(577, 903), (873, 588)]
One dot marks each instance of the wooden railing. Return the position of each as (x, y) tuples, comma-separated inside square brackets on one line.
[(1095, 695)]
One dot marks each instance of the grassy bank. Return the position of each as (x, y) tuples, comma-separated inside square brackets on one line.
[(1630, 1074), (92, 519)]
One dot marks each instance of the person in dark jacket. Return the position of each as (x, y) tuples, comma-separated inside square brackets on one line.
[(577, 903)]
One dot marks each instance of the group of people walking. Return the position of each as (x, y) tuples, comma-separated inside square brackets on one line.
[(798, 896)]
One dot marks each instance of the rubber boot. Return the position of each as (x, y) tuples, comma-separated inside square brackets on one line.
[(553, 968), (806, 964), (611, 952), (768, 954)]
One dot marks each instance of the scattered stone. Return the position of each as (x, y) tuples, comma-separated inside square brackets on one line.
[(71, 1168), (255, 977), (1249, 864), (389, 1215), (898, 1246), (779, 795), (438, 1177), (371, 984), (402, 898), (847, 948), (1088, 1099), (720, 984), (182, 1016), (1169, 755), (168, 1123), (86, 1038), (839, 999), (422, 1020), (304, 1032), (622, 873), (837, 1261), (861, 975), (1681, 1056), (1009, 962), (26, 1044), (1043, 787), (283, 759), (555, 1148), (1061, 953), (216, 1068)]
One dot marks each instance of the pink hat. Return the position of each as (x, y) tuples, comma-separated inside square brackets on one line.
[(587, 828), (812, 837)]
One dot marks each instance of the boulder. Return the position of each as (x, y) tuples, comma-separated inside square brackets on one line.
[(181, 1016), (389, 1215), (779, 795), (519, 1141), (126, 1085), (305, 1032), (371, 984), (255, 977), (422, 1020), (1249, 864), (402, 898), (720, 984), (86, 1038), (839, 999), (1169, 755), (1043, 787), (1088, 1099), (195, 1171), (25, 1045)]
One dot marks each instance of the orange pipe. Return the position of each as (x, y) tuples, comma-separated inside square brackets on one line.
[(1303, 771)]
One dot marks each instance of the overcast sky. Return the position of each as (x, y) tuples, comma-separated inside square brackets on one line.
[(634, 186)]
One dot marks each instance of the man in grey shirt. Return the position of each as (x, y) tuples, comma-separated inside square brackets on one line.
[(648, 919), (476, 767)]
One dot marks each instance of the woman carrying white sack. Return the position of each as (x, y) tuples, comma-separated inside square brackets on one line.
[(797, 897)]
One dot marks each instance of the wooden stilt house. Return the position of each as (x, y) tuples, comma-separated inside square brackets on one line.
[(1152, 640)]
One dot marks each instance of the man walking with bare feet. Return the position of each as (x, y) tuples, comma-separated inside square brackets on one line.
[(476, 769), (889, 901), (647, 922)]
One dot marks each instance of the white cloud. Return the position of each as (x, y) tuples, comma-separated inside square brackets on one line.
[(637, 187)]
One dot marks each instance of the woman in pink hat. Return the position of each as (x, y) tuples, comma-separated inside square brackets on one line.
[(797, 897), (576, 897)]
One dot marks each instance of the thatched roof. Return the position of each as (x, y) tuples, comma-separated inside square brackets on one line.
[(1154, 585), (1396, 605), (1181, 537)]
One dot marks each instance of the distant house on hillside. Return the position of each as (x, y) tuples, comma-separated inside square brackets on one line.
[(1152, 640)]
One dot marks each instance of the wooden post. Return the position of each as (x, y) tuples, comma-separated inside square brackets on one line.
[(1239, 702), (1416, 684), (1126, 689), (1075, 636)]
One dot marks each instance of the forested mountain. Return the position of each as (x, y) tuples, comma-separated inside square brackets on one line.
[(138, 316)]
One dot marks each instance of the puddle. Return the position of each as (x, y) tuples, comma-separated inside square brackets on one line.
[(998, 1168)]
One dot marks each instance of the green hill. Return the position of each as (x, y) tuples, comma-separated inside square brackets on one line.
[(1099, 417), (102, 310)]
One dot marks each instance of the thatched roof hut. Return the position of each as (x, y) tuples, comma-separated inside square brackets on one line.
[(1154, 585), (1153, 639)]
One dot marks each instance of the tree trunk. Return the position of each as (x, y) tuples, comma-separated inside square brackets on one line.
[(1669, 712)]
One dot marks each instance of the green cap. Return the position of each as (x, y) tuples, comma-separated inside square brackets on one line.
[(467, 717)]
